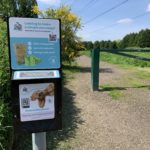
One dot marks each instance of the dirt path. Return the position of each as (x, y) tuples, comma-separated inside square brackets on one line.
[(104, 123)]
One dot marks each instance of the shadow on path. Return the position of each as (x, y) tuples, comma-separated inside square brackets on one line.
[(71, 118), (86, 69)]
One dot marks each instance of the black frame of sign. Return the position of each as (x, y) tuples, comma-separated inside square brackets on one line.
[(38, 125)]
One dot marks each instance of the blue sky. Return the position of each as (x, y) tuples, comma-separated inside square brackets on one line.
[(131, 16)]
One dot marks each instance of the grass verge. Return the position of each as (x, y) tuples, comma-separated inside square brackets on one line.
[(123, 60), (69, 71), (114, 92)]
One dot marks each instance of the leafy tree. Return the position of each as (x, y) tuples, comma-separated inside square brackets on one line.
[(141, 39), (125, 41), (110, 44), (24, 8), (113, 45), (21, 8), (90, 45), (144, 38), (96, 44), (70, 24), (6, 8), (102, 44), (107, 44), (132, 40)]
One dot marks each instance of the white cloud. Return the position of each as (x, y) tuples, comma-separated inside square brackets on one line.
[(148, 8), (50, 2), (125, 21)]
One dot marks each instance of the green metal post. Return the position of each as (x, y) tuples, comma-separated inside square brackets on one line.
[(95, 69)]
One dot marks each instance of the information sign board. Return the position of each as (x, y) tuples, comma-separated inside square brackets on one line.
[(34, 43)]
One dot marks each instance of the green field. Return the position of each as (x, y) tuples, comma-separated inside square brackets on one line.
[(123, 60)]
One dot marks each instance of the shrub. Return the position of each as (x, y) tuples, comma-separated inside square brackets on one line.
[(70, 23), (5, 115)]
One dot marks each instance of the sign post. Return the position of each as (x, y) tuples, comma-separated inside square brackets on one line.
[(35, 66), (39, 141)]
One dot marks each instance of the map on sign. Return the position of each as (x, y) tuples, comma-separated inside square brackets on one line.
[(34, 43)]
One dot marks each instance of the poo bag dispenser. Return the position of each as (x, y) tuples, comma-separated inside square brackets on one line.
[(35, 63)]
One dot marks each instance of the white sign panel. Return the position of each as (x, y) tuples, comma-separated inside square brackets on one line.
[(38, 74), (37, 101)]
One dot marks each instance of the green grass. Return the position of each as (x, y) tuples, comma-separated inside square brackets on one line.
[(147, 88), (86, 53), (134, 82), (140, 69), (6, 128), (114, 92), (108, 87), (142, 74), (123, 60), (69, 70)]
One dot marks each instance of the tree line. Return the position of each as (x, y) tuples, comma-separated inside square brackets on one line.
[(140, 39)]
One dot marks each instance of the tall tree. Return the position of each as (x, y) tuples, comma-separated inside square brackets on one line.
[(6, 8), (21, 8), (132, 40), (102, 44), (90, 45), (70, 23), (24, 8), (113, 45), (144, 38), (140, 39), (96, 44)]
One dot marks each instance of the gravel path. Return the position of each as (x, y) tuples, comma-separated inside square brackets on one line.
[(105, 123)]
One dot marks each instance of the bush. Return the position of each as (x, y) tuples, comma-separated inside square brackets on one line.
[(6, 129), (70, 23), (5, 115)]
